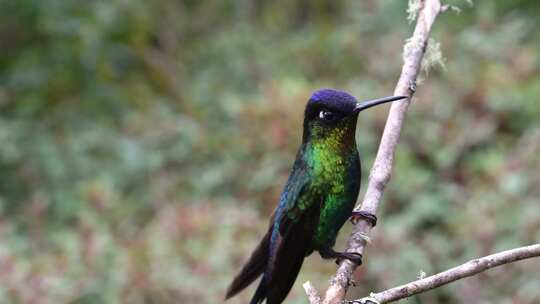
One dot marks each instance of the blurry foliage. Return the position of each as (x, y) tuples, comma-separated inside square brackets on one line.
[(145, 143)]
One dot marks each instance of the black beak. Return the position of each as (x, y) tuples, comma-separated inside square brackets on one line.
[(371, 103)]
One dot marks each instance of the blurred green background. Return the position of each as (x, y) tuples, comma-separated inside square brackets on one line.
[(144, 144)]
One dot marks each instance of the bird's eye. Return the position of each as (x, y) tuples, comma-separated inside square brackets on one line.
[(327, 115)]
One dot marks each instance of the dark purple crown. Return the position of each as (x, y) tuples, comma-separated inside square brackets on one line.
[(333, 99), (331, 95)]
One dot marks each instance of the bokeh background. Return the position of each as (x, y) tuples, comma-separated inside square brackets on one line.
[(144, 144)]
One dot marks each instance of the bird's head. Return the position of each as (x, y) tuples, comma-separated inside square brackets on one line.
[(331, 115)]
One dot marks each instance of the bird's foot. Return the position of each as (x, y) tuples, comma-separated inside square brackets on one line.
[(412, 86), (366, 300), (354, 257), (370, 217)]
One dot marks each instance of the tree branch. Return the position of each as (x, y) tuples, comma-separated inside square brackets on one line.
[(312, 293), (380, 174), (468, 269)]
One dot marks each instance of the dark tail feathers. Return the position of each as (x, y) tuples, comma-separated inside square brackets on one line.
[(288, 252), (279, 278), (289, 256), (260, 293), (254, 267)]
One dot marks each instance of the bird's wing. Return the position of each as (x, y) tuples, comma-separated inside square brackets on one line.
[(292, 232), (293, 200)]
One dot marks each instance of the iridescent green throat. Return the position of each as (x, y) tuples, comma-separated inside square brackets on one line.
[(329, 157)]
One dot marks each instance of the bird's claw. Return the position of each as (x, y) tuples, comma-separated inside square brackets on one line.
[(412, 86), (354, 257), (366, 300), (329, 253), (370, 217)]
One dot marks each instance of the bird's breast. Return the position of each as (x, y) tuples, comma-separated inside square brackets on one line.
[(331, 168)]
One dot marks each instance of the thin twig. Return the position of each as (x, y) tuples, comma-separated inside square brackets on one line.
[(468, 269), (382, 167), (312, 293)]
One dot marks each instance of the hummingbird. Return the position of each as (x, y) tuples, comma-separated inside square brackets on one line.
[(317, 199)]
